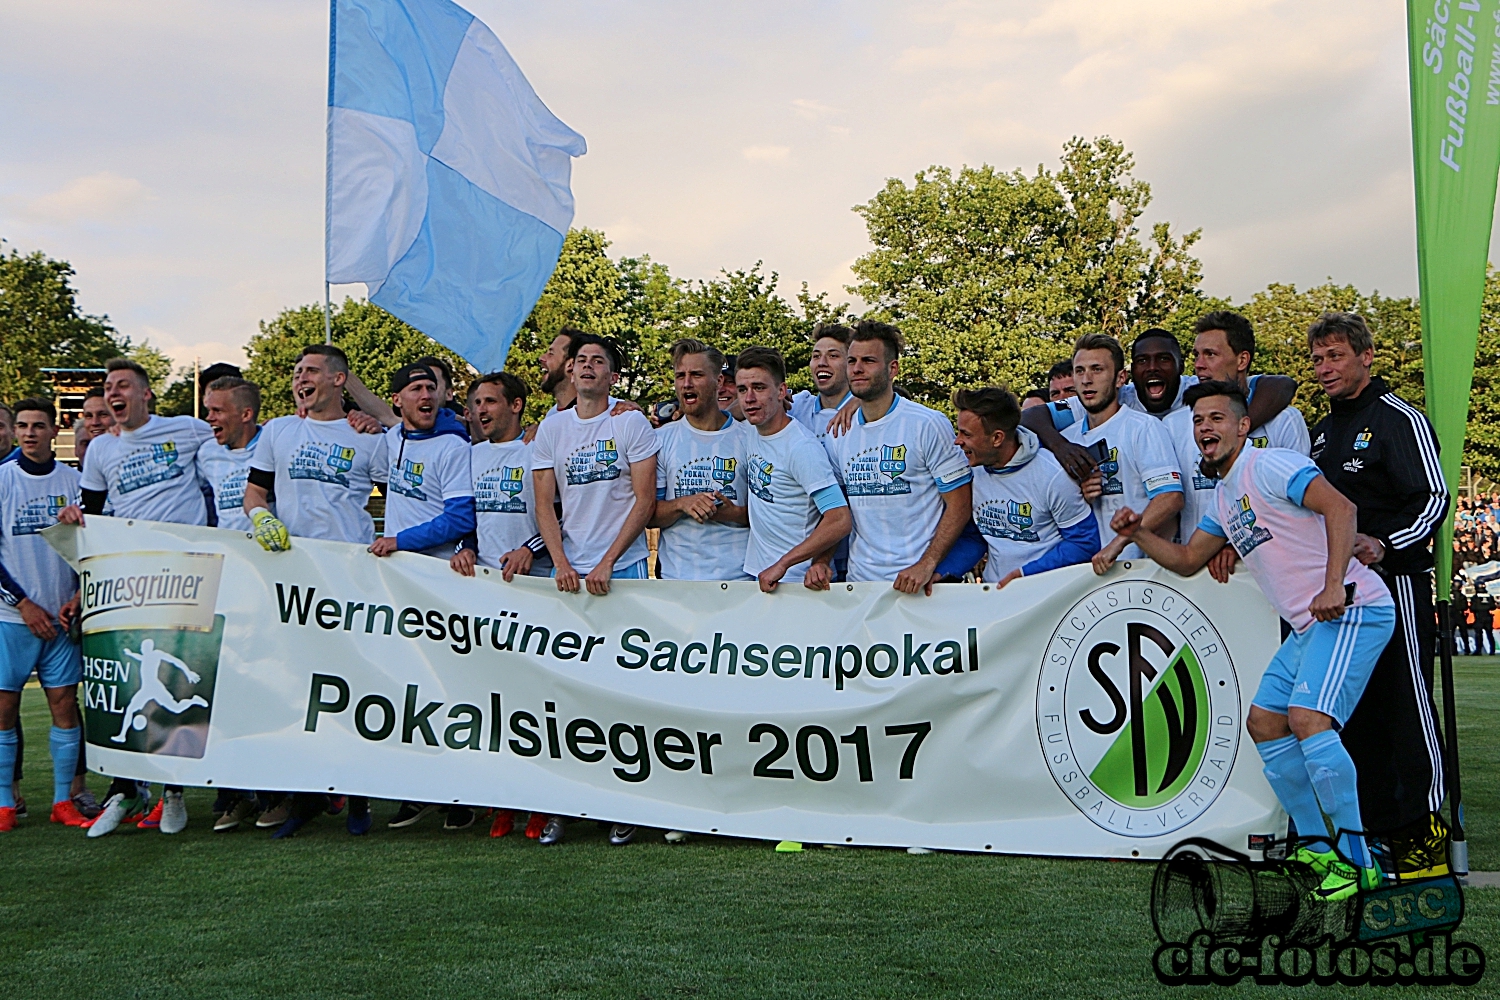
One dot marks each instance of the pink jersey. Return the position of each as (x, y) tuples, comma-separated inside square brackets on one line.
[(1258, 507)]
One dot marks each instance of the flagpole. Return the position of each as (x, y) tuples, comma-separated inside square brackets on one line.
[(333, 8)]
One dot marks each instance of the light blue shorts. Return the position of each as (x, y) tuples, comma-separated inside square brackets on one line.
[(635, 571), (58, 663), (1326, 667)]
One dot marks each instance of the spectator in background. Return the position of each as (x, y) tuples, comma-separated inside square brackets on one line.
[(1459, 605), (8, 445), (1060, 381), (1483, 606), (1036, 397)]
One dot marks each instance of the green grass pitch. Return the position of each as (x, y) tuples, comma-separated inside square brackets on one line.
[(423, 913)]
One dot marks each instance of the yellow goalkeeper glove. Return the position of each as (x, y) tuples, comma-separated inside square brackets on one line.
[(268, 531)]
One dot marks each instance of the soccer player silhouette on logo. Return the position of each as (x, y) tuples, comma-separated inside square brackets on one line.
[(152, 689)]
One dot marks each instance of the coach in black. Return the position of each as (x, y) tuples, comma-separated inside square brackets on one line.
[(1380, 452)]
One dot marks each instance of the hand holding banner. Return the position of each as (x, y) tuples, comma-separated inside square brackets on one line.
[(1064, 715)]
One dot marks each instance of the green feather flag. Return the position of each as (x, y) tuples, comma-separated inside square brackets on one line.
[(1455, 114)]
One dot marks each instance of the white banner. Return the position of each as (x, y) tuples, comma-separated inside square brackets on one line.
[(1065, 715)]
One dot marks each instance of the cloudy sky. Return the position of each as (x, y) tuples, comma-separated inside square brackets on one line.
[(173, 150)]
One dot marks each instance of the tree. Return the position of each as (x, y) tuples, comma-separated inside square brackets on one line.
[(637, 302), (42, 327), (377, 344), (991, 276), (1482, 436)]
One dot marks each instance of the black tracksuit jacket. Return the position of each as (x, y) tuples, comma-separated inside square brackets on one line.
[(1380, 452)]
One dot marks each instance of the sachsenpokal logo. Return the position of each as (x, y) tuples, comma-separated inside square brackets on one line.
[(1138, 709), (151, 643)]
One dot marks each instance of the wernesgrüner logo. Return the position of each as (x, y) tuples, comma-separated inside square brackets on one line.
[(151, 643), (1138, 709)]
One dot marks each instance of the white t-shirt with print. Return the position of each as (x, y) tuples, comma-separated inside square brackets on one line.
[(424, 471), (29, 504), (693, 461), (592, 460), (782, 472), (1287, 430), (1021, 509), (504, 499), (226, 471), (1142, 463), (152, 473), (1258, 508), (325, 471), (894, 471)]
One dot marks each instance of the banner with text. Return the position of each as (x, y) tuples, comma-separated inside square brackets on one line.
[(1066, 715)]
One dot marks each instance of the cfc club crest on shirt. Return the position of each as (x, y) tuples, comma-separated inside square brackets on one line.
[(1244, 534), (407, 479), (1362, 440), (724, 469), (36, 514), (148, 466), (1110, 471), (877, 472), (760, 478), (499, 491), (593, 465), (1006, 519), (327, 463)]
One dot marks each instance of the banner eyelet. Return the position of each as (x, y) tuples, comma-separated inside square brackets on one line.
[(723, 586)]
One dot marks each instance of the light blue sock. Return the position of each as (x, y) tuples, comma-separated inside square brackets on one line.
[(1286, 771), (1333, 778), (7, 767), (64, 744)]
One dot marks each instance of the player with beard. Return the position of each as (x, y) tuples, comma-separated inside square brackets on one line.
[(1380, 452), (908, 484), (701, 492), (429, 508), (1137, 466), (1030, 513), (1296, 534), (700, 476), (150, 472), (504, 508), (1157, 381), (504, 498), (1223, 351), (321, 471)]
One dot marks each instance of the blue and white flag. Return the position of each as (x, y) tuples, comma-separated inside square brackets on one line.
[(448, 177)]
